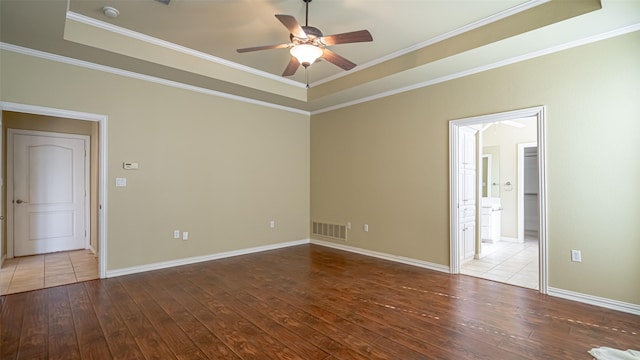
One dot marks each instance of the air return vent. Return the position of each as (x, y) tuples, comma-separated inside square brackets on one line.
[(334, 231)]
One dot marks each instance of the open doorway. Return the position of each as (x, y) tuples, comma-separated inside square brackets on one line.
[(28, 117), (499, 252)]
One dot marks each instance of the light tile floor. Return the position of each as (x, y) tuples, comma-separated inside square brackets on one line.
[(507, 262), (42, 271)]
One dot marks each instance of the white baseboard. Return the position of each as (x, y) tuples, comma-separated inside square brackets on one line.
[(595, 300), (197, 259), (385, 256)]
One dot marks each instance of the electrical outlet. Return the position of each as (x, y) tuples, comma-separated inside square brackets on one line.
[(576, 256), (272, 224), (176, 234), (366, 227), (185, 235)]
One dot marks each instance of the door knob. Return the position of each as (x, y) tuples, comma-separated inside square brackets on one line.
[(20, 201)]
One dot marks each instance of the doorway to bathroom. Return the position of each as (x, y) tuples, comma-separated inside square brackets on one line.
[(498, 230)]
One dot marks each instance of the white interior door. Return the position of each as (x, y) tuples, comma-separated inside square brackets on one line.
[(48, 175), (467, 192)]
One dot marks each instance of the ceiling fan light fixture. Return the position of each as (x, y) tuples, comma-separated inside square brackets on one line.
[(306, 54)]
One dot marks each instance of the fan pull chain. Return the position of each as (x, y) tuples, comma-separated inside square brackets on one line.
[(306, 76)]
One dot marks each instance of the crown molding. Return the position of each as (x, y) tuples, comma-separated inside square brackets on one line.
[(175, 47), (513, 60), (498, 64), (134, 75), (436, 39)]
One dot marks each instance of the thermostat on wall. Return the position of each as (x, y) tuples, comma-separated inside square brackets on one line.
[(130, 165)]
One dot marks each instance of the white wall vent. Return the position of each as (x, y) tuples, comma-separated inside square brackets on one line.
[(333, 231)]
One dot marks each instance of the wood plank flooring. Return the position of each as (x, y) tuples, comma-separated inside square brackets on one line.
[(304, 302)]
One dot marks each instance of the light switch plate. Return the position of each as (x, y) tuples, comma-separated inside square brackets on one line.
[(130, 165), (576, 256)]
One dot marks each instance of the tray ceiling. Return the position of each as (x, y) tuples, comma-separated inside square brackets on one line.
[(194, 42)]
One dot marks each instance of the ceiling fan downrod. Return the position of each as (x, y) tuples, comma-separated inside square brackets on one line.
[(306, 15)]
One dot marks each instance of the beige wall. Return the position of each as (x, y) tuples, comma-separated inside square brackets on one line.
[(507, 138), (218, 168), (222, 169), (15, 120), (385, 163)]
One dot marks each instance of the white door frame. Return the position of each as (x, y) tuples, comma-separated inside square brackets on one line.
[(520, 183), (454, 126), (10, 209), (102, 165)]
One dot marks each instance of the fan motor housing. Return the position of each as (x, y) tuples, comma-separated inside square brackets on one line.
[(312, 32)]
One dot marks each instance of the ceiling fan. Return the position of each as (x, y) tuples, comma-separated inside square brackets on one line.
[(308, 44)]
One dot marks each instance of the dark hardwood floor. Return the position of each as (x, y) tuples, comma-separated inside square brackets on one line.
[(303, 302)]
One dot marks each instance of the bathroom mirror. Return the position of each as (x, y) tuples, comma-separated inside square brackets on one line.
[(491, 171)]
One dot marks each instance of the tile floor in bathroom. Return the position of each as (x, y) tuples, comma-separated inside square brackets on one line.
[(507, 262), (42, 271)]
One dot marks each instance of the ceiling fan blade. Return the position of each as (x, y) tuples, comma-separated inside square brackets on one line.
[(346, 38), (337, 60), (264, 47), (292, 25), (292, 67)]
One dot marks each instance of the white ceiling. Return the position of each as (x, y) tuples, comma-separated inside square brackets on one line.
[(416, 42), (219, 27)]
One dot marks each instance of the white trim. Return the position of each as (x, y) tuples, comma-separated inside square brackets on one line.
[(178, 48), (216, 256), (442, 37), (509, 239), (595, 300), (198, 259), (87, 185), (208, 57), (540, 113), (520, 187), (41, 110), (454, 242), (2, 249), (384, 256), (483, 68), (535, 54), (102, 163), (133, 75), (543, 245)]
